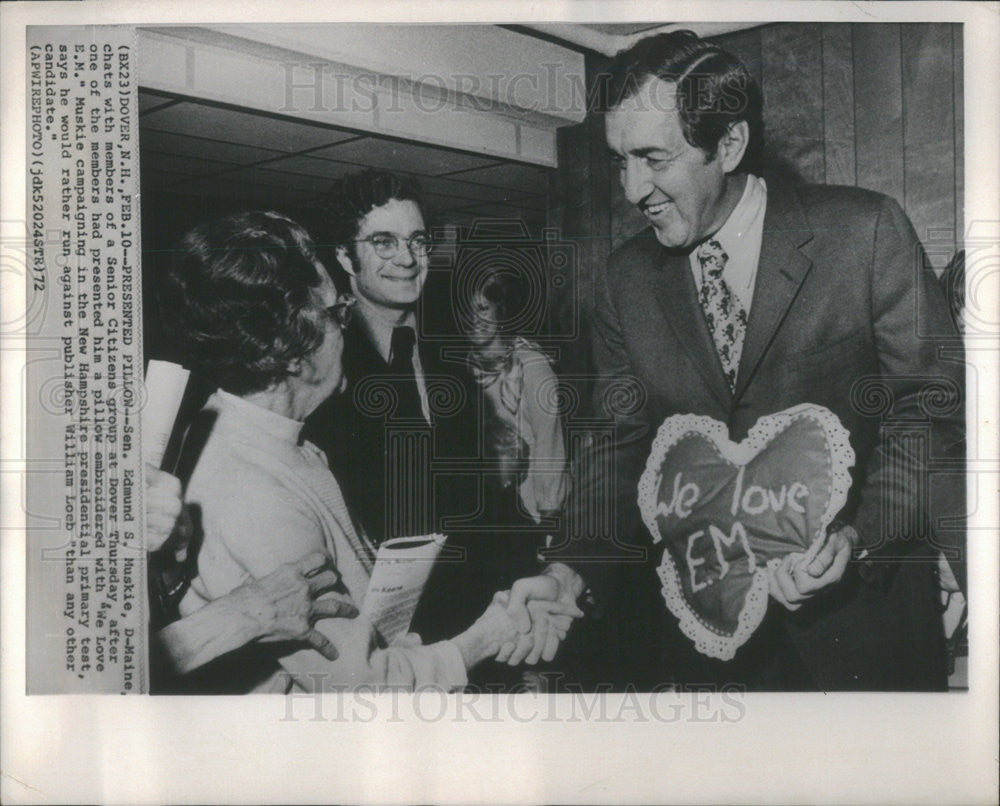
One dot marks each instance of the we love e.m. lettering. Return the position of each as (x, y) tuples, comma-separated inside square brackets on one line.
[(726, 511), (746, 501)]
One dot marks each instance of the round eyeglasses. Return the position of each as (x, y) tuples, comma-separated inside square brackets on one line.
[(386, 245)]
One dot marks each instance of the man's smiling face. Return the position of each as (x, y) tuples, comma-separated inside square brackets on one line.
[(393, 283), (675, 185)]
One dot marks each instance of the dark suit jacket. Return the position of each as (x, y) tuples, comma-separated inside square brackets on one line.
[(846, 313), (360, 433), (401, 478)]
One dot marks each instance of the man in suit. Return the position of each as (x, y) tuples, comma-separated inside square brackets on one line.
[(746, 296)]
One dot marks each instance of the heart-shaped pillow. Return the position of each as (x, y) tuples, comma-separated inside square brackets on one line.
[(724, 511)]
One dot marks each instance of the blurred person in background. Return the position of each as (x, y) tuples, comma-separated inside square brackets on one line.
[(524, 429)]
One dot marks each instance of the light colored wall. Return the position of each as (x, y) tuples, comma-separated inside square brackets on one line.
[(478, 88)]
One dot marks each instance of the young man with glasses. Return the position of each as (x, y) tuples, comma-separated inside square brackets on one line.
[(371, 228), (406, 466)]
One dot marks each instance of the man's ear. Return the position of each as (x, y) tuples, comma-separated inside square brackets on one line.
[(733, 145), (344, 259)]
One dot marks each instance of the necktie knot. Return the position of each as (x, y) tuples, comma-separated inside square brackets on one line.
[(712, 258), (403, 340)]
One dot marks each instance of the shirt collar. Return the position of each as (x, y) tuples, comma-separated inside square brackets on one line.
[(379, 326), (741, 220), (250, 416)]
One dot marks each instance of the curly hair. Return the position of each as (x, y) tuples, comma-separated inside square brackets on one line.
[(238, 299), (714, 89), (335, 219)]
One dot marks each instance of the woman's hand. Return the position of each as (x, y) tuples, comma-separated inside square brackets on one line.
[(284, 604), (277, 607), (165, 517), (492, 629)]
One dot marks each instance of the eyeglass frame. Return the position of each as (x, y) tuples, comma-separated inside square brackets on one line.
[(341, 312), (397, 241)]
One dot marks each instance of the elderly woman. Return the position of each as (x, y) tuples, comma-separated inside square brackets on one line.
[(254, 310)]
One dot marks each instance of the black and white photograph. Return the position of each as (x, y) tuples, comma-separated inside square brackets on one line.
[(764, 487), (507, 379)]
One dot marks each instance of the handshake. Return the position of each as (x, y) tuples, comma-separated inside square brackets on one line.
[(527, 623)]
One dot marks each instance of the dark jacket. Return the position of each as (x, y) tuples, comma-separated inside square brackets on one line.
[(847, 314)]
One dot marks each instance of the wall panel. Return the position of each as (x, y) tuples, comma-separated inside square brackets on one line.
[(928, 137), (878, 108), (958, 99), (838, 106), (792, 70)]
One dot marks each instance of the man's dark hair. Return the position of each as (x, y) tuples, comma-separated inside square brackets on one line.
[(714, 89), (335, 219), (238, 299)]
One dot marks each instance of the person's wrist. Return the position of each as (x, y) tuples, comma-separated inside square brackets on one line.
[(473, 646), (568, 579), (847, 530), (213, 630), (250, 618)]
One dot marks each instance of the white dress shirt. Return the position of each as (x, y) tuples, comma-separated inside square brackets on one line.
[(740, 238)]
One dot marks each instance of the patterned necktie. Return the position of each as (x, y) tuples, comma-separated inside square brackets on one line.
[(403, 377), (725, 315)]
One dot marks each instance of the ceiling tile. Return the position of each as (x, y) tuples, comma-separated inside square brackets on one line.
[(246, 128), (254, 194), (153, 179), (392, 155), (181, 144), (244, 158), (329, 170), (526, 178), (469, 190), (148, 101), (181, 165), (267, 178)]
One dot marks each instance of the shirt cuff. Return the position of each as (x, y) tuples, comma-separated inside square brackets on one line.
[(455, 675)]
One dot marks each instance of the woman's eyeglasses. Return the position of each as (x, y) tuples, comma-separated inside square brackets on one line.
[(340, 311), (387, 245)]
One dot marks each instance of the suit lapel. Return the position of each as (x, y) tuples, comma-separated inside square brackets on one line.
[(679, 298), (362, 362), (780, 271), (362, 355)]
